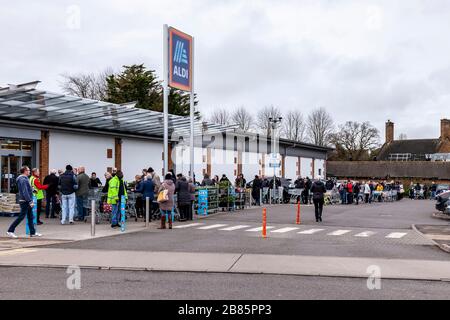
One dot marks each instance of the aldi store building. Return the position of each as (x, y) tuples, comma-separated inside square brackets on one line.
[(47, 130)]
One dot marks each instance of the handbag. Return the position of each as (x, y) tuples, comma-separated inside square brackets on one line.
[(163, 196), (107, 208)]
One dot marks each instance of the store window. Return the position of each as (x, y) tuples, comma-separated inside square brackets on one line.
[(10, 145), (27, 145)]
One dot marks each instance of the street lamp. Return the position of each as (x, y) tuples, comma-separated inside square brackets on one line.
[(274, 124), (183, 148)]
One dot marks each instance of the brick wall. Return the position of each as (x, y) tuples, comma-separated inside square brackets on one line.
[(118, 153), (44, 153)]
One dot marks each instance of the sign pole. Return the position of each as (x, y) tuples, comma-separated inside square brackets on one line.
[(166, 96), (192, 113)]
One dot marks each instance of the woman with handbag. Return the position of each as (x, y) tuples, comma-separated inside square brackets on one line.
[(165, 200)]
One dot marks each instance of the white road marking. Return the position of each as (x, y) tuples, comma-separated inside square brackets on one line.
[(311, 231), (234, 228), (188, 225), (339, 232), (214, 226), (284, 230), (396, 235), (365, 234), (259, 229), (16, 251)]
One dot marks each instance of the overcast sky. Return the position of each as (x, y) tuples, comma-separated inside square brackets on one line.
[(361, 60)]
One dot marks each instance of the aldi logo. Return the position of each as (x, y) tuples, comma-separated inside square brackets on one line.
[(180, 55), (180, 60)]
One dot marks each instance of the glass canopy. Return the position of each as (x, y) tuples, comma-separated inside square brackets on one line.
[(26, 103)]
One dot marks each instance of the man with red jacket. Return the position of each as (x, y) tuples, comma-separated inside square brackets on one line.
[(38, 192), (349, 192)]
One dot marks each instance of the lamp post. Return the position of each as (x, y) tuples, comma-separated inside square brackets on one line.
[(274, 124)]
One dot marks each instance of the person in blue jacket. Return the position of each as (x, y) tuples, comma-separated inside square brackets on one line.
[(147, 189)]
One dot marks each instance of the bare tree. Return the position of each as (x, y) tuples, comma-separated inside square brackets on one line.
[(320, 127), (263, 117), (220, 116), (402, 136), (294, 126), (243, 119), (356, 140), (90, 86)]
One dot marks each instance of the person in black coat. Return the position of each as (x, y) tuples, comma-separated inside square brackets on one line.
[(183, 190), (356, 191), (256, 190), (308, 186), (50, 195), (318, 190)]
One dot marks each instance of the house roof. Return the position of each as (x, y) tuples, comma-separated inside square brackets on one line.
[(417, 147)]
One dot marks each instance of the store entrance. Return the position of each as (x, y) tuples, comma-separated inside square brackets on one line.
[(13, 155)]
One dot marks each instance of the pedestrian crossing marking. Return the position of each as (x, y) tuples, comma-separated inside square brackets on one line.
[(365, 234), (188, 225), (213, 226), (234, 228), (339, 232), (284, 230), (311, 231), (259, 229), (396, 235)]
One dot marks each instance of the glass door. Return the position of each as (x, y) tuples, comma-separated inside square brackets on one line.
[(9, 173)]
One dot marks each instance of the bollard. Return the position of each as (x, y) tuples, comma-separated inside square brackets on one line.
[(34, 211), (147, 212), (93, 218), (298, 213), (264, 226), (123, 217)]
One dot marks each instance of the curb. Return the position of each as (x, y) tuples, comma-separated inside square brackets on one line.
[(443, 247), (143, 269), (441, 216)]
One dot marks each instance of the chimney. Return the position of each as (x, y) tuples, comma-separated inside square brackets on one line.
[(445, 129), (389, 131)]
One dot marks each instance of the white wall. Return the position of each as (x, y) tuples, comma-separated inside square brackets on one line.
[(141, 154), (222, 162), (291, 168), (305, 167), (79, 149), (182, 159), (250, 165), (319, 164)]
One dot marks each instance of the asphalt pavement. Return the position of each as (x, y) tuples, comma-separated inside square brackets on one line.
[(51, 284), (339, 235)]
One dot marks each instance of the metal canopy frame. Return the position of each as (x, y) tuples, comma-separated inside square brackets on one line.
[(41, 107)]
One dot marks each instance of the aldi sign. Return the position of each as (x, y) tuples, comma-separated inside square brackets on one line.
[(180, 60)]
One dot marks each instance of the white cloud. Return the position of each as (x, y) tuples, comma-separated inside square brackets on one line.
[(363, 60)]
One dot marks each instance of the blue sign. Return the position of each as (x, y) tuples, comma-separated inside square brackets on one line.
[(180, 60), (203, 202), (123, 220)]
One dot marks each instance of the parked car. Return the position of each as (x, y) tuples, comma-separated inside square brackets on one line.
[(443, 202), (442, 188)]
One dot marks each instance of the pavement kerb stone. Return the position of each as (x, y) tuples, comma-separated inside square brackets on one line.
[(310, 275), (443, 247), (269, 266), (441, 216)]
